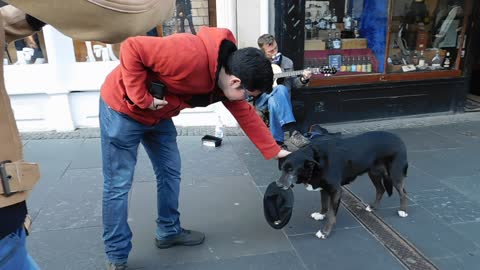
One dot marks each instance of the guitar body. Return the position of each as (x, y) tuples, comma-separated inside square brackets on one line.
[(276, 70)]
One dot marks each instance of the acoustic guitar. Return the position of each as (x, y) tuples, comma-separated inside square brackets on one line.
[(279, 74)]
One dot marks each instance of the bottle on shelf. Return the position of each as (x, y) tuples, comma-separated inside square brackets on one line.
[(329, 41), (415, 58), (369, 64), (421, 60), (437, 61), (343, 67), (446, 61), (323, 22), (219, 128), (364, 64), (359, 65), (356, 31), (347, 22), (353, 65), (334, 16), (337, 42), (349, 64)]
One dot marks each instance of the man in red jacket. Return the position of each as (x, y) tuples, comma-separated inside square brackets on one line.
[(197, 70)]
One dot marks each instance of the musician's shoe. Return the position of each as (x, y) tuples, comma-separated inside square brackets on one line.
[(297, 140)]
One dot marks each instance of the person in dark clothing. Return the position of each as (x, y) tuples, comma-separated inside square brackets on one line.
[(184, 11)]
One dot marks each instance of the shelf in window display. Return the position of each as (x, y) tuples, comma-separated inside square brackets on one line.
[(320, 57)]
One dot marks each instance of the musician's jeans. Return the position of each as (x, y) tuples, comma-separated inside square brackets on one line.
[(13, 252), (280, 108)]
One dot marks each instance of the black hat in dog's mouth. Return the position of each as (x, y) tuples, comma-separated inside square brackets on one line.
[(277, 205)]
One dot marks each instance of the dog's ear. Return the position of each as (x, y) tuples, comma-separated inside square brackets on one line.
[(312, 162)]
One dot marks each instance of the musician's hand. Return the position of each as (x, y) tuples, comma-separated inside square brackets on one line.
[(157, 104), (307, 74)]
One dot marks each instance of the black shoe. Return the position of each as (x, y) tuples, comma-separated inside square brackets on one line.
[(316, 129), (185, 238)]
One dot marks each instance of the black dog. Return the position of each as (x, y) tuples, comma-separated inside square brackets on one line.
[(329, 163)]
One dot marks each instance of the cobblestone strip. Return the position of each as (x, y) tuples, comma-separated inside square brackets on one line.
[(345, 128), (405, 251)]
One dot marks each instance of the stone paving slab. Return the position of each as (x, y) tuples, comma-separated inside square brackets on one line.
[(221, 194), (349, 249), (262, 171), (430, 235), (72, 249), (277, 260), (227, 209), (74, 202)]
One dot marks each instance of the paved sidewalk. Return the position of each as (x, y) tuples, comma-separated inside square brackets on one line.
[(222, 195)]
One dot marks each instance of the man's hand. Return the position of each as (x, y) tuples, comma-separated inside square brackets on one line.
[(307, 74), (283, 153), (157, 104)]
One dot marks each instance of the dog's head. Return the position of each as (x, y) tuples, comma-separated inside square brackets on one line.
[(299, 167)]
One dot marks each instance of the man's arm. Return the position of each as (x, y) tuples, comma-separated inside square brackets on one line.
[(255, 129), (292, 82), (135, 61)]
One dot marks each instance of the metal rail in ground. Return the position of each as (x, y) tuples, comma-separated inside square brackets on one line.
[(405, 251)]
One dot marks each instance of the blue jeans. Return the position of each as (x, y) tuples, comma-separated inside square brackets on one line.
[(120, 138), (13, 252), (280, 108)]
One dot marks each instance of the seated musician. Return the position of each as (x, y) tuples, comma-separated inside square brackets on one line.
[(278, 103)]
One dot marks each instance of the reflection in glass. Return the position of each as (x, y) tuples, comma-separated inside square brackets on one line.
[(342, 35), (26, 51), (425, 35)]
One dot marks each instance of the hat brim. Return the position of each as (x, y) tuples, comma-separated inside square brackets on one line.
[(277, 206)]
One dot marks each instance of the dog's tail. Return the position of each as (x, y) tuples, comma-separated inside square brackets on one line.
[(387, 184)]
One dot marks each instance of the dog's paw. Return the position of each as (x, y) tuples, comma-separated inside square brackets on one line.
[(402, 213), (320, 235), (310, 188), (317, 216), (368, 208)]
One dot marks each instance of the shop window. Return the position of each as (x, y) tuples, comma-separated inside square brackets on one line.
[(385, 38), (188, 17), (27, 51), (340, 34), (425, 35)]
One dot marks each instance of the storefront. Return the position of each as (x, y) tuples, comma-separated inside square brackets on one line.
[(393, 57), (54, 81)]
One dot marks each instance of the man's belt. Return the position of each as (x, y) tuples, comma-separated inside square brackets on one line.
[(17, 178)]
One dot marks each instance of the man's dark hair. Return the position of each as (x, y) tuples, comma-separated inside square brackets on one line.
[(252, 67)]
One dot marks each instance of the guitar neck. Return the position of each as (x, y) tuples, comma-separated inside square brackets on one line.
[(287, 74)]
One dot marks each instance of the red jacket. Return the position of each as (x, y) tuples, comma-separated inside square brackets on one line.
[(187, 65)]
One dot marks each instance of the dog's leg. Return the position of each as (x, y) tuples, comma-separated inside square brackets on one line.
[(331, 214), (376, 178), (398, 184), (397, 174), (325, 199)]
